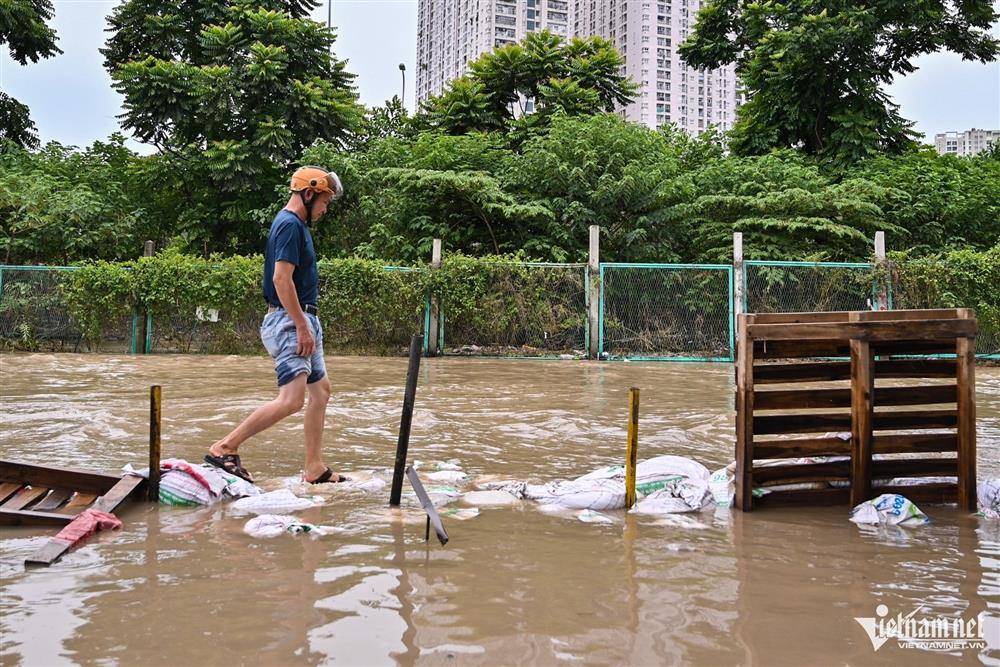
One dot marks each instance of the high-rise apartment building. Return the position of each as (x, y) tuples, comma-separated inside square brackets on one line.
[(646, 32), (451, 33), (969, 142)]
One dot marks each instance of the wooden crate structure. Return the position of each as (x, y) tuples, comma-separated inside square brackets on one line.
[(809, 417)]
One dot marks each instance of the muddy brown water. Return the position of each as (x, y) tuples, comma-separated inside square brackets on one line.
[(514, 585)]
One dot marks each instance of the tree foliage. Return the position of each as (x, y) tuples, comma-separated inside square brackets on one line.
[(25, 31), (233, 91), (815, 70), (581, 76), (61, 205)]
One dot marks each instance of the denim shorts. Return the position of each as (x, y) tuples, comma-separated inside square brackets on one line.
[(277, 332)]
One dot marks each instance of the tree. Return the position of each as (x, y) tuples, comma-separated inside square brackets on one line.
[(23, 28), (785, 205), (579, 77), (814, 70), (61, 205), (234, 90)]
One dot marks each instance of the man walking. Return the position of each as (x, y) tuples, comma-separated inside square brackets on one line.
[(291, 331)]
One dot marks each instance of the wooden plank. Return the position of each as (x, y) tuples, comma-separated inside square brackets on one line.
[(923, 493), (803, 423), (64, 478), (889, 330), (78, 503), (914, 347), (799, 318), (8, 489), (862, 315), (914, 314), (787, 449), (899, 420), (915, 368), (966, 378), (917, 443), (816, 497), (127, 486), (817, 371), (745, 421), (802, 473), (52, 501), (862, 419), (25, 497), (887, 469), (797, 399), (799, 349), (32, 518), (804, 349)]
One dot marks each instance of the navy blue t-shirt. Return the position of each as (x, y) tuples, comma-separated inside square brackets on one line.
[(291, 241)]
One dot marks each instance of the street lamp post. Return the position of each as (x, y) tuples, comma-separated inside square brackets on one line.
[(402, 71)]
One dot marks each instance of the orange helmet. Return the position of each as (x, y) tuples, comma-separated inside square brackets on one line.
[(317, 180)]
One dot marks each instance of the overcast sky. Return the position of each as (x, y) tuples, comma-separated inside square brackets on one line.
[(72, 102)]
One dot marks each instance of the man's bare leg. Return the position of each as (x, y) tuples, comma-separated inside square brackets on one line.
[(290, 398), (315, 419)]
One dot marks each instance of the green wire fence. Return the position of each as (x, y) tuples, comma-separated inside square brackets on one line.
[(668, 312)]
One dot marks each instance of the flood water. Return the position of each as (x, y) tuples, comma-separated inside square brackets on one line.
[(514, 585)]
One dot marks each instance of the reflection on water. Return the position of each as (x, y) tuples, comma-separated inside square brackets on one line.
[(514, 586)]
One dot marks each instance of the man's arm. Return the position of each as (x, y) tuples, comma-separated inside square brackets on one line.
[(285, 287)]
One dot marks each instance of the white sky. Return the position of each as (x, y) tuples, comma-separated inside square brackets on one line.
[(72, 102)]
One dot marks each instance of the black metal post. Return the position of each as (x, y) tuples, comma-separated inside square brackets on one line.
[(416, 347)]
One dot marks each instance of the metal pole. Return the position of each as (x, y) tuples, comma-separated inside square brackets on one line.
[(402, 70), (633, 446), (594, 264), (155, 405), (416, 345)]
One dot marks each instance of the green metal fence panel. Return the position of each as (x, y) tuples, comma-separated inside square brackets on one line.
[(806, 287), (35, 316), (525, 309), (666, 312)]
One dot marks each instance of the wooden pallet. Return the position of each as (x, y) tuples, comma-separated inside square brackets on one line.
[(789, 421), (34, 495)]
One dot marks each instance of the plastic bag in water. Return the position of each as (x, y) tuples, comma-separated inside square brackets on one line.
[(988, 491), (889, 508)]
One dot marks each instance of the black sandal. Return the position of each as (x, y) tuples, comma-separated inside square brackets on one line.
[(229, 463), (327, 478)]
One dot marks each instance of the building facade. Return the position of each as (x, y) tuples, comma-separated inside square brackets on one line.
[(646, 32), (968, 142)]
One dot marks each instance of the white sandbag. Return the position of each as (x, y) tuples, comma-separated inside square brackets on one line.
[(686, 495), (590, 516), (485, 498), (988, 492), (722, 485), (889, 508), (449, 476), (272, 525), (282, 500), (370, 485), (595, 494), (460, 513)]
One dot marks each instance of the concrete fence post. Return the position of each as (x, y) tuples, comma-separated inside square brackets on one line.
[(594, 316)]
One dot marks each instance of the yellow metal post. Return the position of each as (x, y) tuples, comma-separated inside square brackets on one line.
[(154, 443), (633, 446)]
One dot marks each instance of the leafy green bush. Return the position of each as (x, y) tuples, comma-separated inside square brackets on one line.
[(957, 279)]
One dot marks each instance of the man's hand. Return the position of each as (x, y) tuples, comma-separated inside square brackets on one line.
[(306, 342)]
